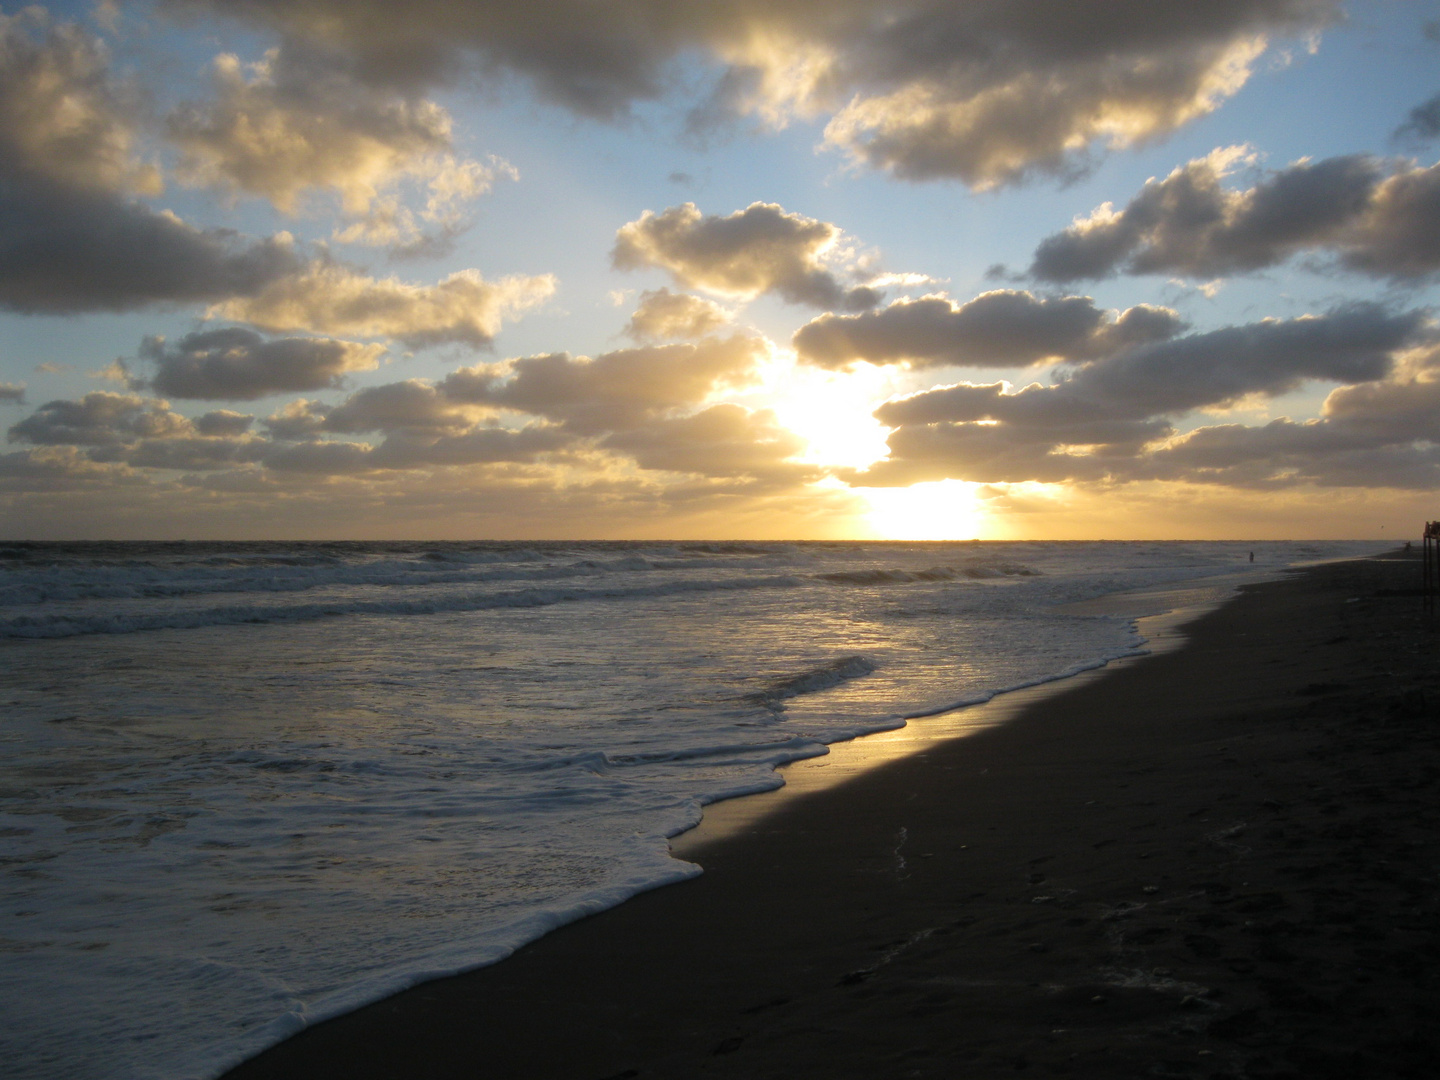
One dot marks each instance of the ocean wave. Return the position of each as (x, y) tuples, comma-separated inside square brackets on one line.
[(810, 681), (73, 625), (972, 572), (151, 581)]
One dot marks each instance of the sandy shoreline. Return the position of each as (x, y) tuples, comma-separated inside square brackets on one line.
[(1218, 861)]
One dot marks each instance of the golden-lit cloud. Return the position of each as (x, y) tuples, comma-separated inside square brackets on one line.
[(666, 316), (986, 92), (328, 298), (64, 118), (752, 251), (297, 123), (1110, 420)]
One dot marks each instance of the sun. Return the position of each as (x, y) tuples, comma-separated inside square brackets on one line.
[(939, 510), (832, 412)]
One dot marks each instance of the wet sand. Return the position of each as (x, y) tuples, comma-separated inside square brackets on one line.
[(1218, 861)]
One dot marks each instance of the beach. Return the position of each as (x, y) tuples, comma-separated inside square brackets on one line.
[(1219, 860)]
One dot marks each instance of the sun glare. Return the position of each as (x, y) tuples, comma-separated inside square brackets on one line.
[(942, 510), (832, 413)]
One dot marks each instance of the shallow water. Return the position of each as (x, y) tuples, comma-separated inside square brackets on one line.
[(248, 786)]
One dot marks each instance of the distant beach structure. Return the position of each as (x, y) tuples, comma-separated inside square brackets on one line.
[(1430, 562)]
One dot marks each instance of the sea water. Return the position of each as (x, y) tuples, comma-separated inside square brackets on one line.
[(247, 786)]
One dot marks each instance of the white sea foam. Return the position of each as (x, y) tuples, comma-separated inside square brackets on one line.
[(249, 786)]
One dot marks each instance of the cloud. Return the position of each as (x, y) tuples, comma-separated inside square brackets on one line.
[(986, 92), (71, 238), (298, 121), (54, 471), (12, 392), (723, 440), (666, 316), (1378, 217), (98, 419), (1423, 123), (403, 406), (1004, 328), (1354, 343), (183, 452), (1284, 453), (224, 423), (752, 251), (614, 391), (1111, 419), (236, 364), (63, 118), (64, 252), (330, 298), (477, 446)]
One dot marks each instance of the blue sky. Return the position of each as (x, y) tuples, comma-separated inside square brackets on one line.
[(880, 169)]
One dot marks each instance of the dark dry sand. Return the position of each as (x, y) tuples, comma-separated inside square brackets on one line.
[(1218, 862)]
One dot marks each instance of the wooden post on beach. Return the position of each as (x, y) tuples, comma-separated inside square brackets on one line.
[(1431, 564)]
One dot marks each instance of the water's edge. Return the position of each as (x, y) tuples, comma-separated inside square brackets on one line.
[(1166, 610)]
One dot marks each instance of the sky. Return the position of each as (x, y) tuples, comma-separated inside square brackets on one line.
[(683, 269)]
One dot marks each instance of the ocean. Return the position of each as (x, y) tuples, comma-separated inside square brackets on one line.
[(247, 786)]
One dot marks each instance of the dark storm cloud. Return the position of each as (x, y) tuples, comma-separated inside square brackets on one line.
[(752, 251), (1005, 328), (236, 364), (985, 92), (1375, 216), (12, 392)]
